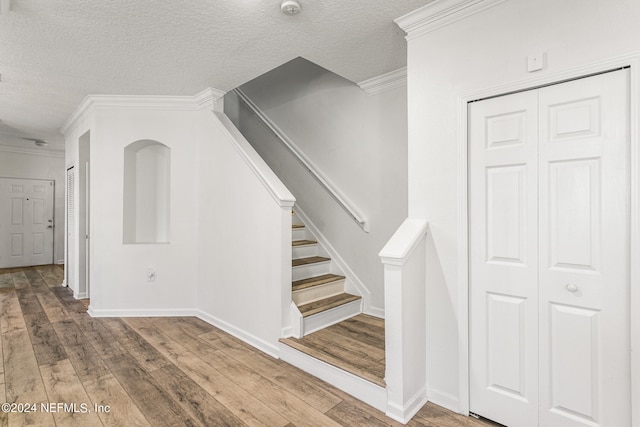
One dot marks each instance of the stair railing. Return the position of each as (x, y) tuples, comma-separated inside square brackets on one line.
[(335, 193)]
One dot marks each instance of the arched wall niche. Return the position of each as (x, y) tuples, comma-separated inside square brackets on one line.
[(147, 179)]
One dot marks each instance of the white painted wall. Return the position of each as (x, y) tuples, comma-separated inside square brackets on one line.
[(228, 259), (21, 165), (244, 228), (485, 50), (118, 273), (356, 140)]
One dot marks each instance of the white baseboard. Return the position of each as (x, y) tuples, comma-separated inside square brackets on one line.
[(403, 414), (60, 261), (443, 399), (359, 388), (375, 312), (143, 312), (259, 343), (80, 295)]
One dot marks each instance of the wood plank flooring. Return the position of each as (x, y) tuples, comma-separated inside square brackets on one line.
[(355, 345), (154, 372)]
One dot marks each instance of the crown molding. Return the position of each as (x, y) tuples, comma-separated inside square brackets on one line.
[(207, 98), (31, 151), (440, 13), (385, 82)]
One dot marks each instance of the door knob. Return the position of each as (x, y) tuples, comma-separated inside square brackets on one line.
[(571, 287)]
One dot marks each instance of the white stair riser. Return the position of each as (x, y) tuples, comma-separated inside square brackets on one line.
[(304, 251), (362, 389), (307, 295), (310, 270), (299, 234), (295, 219), (331, 317)]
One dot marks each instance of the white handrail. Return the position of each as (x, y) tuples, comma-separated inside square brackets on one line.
[(313, 170)]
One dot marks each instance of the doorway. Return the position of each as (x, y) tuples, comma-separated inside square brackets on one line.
[(549, 265), (26, 222)]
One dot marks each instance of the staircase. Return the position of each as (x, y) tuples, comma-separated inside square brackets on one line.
[(321, 304), (318, 287)]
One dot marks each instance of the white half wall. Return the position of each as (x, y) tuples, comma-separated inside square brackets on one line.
[(358, 141), (486, 50), (244, 229), (35, 166)]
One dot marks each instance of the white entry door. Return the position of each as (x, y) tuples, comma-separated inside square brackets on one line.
[(26, 222), (549, 255)]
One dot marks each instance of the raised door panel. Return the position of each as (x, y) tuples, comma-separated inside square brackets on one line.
[(506, 346), (574, 387), (506, 220), (503, 289), (584, 251), (574, 214), (17, 211)]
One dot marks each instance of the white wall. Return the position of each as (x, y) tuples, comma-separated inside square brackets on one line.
[(486, 50), (118, 273), (357, 141), (244, 228), (228, 259), (20, 165)]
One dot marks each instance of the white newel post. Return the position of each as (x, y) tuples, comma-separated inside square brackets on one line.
[(405, 321)]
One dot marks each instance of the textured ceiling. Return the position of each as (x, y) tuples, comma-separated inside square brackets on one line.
[(54, 53)]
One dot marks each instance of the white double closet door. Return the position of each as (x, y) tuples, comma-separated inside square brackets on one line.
[(549, 255)]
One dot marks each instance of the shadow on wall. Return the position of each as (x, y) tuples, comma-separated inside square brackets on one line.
[(442, 327)]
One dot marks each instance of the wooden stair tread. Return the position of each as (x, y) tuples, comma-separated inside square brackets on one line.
[(337, 362), (315, 281), (297, 226), (303, 242), (309, 260), (324, 304)]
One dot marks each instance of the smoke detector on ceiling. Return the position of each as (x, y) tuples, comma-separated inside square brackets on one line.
[(290, 7)]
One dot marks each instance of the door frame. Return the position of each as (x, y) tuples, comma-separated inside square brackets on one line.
[(631, 61)]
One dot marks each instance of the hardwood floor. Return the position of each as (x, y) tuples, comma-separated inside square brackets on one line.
[(355, 345), (153, 371)]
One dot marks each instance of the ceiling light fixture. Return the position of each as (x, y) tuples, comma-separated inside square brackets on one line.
[(39, 142), (290, 7)]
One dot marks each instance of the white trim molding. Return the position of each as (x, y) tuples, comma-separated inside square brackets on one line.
[(142, 312), (206, 99), (262, 171), (440, 13), (262, 345), (33, 151), (385, 82)]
